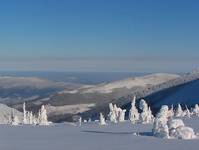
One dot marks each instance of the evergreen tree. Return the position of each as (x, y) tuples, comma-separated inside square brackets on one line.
[(102, 119), (42, 118), (133, 112)]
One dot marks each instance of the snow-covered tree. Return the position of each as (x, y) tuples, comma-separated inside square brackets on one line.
[(151, 117), (34, 120), (80, 121), (102, 120), (14, 119), (171, 112), (29, 117), (179, 111), (121, 117), (116, 114), (112, 113), (116, 111), (196, 110), (146, 114), (133, 112), (187, 112), (160, 127), (42, 118), (24, 114)]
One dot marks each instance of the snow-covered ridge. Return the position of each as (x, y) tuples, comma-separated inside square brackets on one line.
[(145, 81)]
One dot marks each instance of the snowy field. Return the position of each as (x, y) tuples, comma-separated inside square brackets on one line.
[(91, 136)]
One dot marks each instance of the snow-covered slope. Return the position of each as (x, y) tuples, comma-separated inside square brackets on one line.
[(186, 94), (145, 81), (5, 113)]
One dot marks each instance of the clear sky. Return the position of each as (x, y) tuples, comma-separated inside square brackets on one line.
[(99, 35)]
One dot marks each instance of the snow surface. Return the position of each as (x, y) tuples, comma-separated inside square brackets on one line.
[(91, 136), (145, 81)]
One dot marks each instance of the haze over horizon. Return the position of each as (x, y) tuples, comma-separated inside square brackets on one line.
[(113, 35)]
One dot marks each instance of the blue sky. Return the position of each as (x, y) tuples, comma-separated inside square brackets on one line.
[(99, 35)]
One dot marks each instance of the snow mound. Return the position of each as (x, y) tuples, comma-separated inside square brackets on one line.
[(183, 133)]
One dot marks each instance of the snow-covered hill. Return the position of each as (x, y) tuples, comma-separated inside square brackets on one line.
[(145, 81), (185, 94), (5, 114)]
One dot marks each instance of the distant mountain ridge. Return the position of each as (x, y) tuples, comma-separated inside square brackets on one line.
[(88, 101), (87, 95)]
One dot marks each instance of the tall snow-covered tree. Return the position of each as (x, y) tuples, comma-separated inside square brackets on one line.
[(187, 112), (42, 118), (146, 114), (29, 117), (196, 110), (24, 114), (121, 117), (179, 111), (112, 113), (160, 127), (116, 111), (102, 120), (133, 112)]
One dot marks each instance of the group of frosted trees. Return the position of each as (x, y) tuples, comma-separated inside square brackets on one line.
[(168, 125), (116, 114), (179, 112), (29, 118)]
